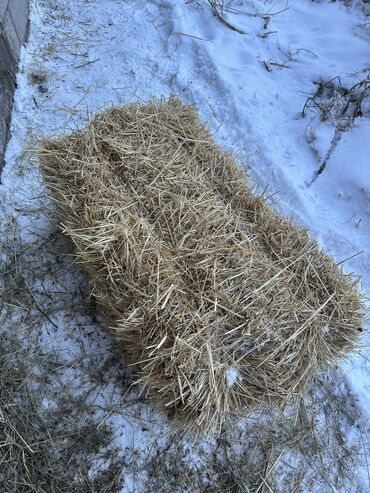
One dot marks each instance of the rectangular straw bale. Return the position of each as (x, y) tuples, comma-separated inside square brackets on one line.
[(220, 304)]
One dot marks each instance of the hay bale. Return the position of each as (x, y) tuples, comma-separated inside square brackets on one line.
[(219, 303)]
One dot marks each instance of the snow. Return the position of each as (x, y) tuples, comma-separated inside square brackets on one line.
[(232, 376), (250, 88)]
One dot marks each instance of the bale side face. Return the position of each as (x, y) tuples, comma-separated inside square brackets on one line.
[(219, 303)]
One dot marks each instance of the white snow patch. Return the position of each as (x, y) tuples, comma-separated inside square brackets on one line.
[(232, 375)]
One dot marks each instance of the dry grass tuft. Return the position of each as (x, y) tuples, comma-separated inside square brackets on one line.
[(48, 451), (220, 304)]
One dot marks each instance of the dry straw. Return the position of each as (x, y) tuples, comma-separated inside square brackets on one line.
[(220, 304)]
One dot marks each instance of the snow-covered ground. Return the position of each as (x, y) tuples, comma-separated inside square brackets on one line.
[(250, 72)]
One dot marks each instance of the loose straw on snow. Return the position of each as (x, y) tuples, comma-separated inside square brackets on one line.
[(219, 303)]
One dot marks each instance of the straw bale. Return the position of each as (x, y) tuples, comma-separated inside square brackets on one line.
[(220, 304)]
